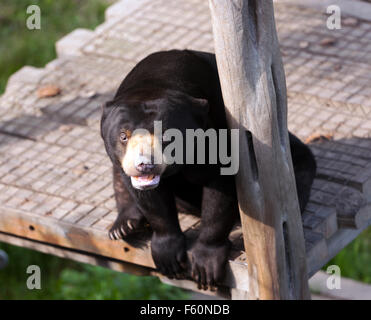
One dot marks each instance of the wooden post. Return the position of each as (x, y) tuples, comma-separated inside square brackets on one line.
[(254, 91)]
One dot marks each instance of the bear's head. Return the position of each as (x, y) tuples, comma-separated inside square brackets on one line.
[(129, 128)]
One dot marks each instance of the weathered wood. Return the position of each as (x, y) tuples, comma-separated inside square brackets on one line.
[(322, 254), (327, 215), (254, 92), (340, 239), (113, 264), (345, 163), (56, 233), (221, 292), (349, 203), (68, 235), (316, 248), (76, 255), (350, 217)]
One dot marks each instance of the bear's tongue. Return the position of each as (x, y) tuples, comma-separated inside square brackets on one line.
[(145, 182)]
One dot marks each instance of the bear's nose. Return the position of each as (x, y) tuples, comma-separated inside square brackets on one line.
[(143, 164), (145, 167)]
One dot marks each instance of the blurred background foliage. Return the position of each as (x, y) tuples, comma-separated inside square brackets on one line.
[(355, 259), (64, 279), (20, 46)]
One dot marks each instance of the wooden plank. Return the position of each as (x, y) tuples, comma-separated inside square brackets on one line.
[(69, 235), (340, 240), (316, 224), (238, 269), (365, 178), (334, 245), (76, 255), (222, 292), (47, 231), (316, 249), (237, 275), (352, 209), (254, 91), (186, 221), (363, 217), (350, 147), (346, 163), (320, 151), (328, 214), (93, 217), (350, 204)]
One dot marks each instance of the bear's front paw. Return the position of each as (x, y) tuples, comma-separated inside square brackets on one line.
[(208, 264), (169, 254), (127, 223)]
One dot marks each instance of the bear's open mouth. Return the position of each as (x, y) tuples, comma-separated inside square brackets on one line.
[(145, 182)]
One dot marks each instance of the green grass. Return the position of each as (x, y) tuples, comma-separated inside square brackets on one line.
[(20, 46), (355, 260), (66, 279)]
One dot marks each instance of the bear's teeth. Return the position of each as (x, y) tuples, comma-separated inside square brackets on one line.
[(145, 182), (145, 178)]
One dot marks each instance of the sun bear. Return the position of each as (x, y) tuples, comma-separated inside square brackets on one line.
[(179, 90)]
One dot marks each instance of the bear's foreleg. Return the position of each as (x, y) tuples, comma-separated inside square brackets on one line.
[(210, 251), (168, 243), (129, 220)]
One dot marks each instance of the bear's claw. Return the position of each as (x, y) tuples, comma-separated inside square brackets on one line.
[(124, 226), (208, 264), (169, 255), (130, 225)]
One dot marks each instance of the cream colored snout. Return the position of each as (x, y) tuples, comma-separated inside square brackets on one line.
[(143, 154)]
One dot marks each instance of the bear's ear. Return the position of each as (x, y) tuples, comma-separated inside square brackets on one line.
[(200, 109), (200, 104), (106, 105)]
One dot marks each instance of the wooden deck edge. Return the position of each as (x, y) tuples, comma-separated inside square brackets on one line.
[(76, 255), (52, 231), (357, 220), (34, 231), (334, 245), (325, 249), (68, 241), (341, 239), (363, 217), (318, 251), (113, 264)]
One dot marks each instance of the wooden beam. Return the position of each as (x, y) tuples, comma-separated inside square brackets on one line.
[(113, 264), (76, 255), (57, 237), (52, 231), (254, 92)]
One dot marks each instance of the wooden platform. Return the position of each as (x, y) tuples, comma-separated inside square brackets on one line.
[(56, 197), (56, 191)]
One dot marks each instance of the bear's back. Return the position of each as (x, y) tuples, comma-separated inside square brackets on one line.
[(191, 72)]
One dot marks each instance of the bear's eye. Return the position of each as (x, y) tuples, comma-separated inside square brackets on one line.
[(123, 137)]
